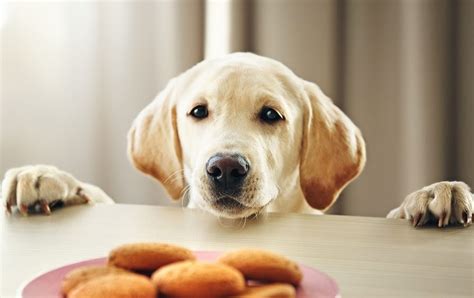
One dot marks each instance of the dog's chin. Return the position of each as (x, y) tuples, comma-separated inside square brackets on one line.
[(231, 209), (234, 214)]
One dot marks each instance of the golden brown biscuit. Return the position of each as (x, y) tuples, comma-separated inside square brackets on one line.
[(263, 265), (198, 279), (148, 256), (83, 274), (115, 286), (276, 290)]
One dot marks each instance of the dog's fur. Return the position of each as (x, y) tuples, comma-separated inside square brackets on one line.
[(298, 164)]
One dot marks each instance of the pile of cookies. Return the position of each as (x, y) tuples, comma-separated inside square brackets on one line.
[(166, 270)]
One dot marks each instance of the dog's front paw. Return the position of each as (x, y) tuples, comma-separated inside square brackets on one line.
[(40, 187), (443, 202)]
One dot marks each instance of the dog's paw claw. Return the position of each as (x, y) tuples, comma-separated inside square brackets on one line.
[(417, 219), (8, 207), (442, 220), (23, 209), (468, 219), (45, 207)]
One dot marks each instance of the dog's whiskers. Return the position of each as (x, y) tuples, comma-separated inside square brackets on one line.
[(174, 176), (184, 194), (244, 222)]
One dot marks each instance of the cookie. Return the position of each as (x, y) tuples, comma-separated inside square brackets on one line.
[(276, 290), (115, 286), (148, 256), (263, 265), (83, 274), (198, 279)]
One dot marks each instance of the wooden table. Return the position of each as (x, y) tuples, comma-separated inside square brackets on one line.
[(367, 256)]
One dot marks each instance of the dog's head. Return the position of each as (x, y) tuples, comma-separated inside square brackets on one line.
[(237, 133)]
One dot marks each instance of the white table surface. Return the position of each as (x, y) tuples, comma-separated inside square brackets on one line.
[(367, 256)]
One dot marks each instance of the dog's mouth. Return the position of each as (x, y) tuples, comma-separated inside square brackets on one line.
[(238, 202), (231, 208), (228, 203)]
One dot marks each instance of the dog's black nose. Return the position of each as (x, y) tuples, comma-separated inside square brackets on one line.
[(227, 171)]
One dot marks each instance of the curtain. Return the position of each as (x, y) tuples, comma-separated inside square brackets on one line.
[(75, 74)]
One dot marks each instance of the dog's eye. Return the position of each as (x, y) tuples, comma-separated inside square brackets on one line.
[(269, 115), (199, 112)]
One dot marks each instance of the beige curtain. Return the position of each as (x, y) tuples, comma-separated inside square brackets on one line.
[(401, 69), (75, 74)]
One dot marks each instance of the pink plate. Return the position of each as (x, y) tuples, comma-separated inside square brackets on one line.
[(315, 283)]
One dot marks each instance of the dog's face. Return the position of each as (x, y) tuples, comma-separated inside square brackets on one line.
[(240, 139), (235, 134)]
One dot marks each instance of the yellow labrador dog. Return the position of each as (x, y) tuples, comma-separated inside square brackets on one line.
[(237, 136)]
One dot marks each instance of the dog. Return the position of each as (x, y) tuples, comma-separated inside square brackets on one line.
[(238, 136)]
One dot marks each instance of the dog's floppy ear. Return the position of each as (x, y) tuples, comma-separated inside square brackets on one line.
[(153, 142), (333, 150)]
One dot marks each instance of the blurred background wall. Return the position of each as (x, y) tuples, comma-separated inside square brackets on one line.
[(75, 74)]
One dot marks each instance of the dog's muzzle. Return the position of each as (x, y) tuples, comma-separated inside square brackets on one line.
[(227, 177)]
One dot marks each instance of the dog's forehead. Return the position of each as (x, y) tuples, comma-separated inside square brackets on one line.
[(244, 81), (241, 75)]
